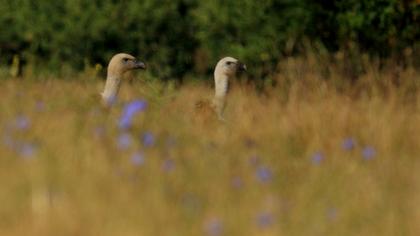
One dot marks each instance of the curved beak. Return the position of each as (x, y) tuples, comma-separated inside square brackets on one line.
[(139, 65)]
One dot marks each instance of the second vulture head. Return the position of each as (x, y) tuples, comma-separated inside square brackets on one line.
[(122, 62)]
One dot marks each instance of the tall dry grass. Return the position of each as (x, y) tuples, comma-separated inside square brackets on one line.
[(312, 155)]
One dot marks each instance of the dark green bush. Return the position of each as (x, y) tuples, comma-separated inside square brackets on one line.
[(258, 32), (380, 27), (177, 37)]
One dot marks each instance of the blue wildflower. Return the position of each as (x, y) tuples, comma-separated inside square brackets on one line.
[(27, 150), (317, 158), (214, 227), (368, 152), (124, 141), (137, 159), (22, 122), (148, 139), (264, 174), (348, 144), (129, 111), (265, 219)]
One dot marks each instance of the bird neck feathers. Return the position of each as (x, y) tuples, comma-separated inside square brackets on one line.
[(221, 85), (221, 88), (112, 86)]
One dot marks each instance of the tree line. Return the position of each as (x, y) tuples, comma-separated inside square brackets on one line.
[(188, 36)]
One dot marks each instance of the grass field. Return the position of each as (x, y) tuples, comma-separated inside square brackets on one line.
[(310, 156)]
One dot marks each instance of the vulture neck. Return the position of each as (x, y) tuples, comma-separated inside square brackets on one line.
[(221, 88), (221, 85), (112, 86)]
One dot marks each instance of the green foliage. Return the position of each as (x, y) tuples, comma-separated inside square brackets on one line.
[(381, 27), (255, 31), (83, 31), (180, 36)]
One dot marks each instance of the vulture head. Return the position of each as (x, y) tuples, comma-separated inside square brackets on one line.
[(121, 63), (228, 66), (118, 65)]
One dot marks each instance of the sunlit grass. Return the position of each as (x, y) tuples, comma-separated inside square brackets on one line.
[(310, 156)]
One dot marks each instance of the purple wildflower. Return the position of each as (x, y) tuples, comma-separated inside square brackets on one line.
[(348, 144), (124, 141), (264, 174), (27, 150), (137, 159), (317, 158), (22, 122), (214, 227), (265, 219), (129, 111), (368, 153), (148, 139)]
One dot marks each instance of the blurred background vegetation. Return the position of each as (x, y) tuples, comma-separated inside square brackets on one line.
[(333, 149), (183, 37)]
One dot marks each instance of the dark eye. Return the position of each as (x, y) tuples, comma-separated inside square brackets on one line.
[(125, 60), (229, 63)]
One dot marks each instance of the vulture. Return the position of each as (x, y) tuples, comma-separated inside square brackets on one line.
[(225, 69), (118, 65)]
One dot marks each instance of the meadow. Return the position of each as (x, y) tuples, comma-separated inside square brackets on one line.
[(307, 153)]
